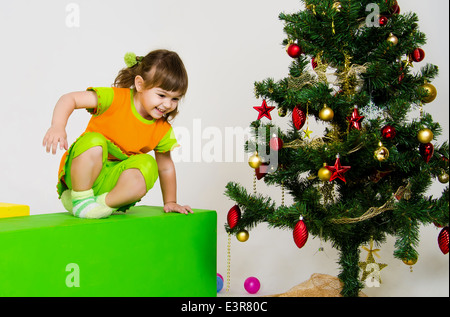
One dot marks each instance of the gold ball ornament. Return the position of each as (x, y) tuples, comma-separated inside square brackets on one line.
[(425, 136), (326, 114), (324, 173), (410, 262), (255, 161), (431, 93), (282, 112), (392, 39), (443, 178), (242, 235), (381, 154)]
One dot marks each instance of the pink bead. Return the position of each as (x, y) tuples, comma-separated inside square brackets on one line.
[(252, 285)]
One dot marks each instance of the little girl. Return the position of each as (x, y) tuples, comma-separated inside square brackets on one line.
[(107, 168)]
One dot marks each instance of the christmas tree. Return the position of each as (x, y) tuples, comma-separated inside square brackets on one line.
[(366, 177)]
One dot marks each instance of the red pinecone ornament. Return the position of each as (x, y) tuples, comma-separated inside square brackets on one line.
[(298, 117), (300, 233), (234, 214), (417, 55), (426, 151), (262, 171), (443, 240)]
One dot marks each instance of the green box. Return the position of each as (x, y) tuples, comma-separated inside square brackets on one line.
[(145, 252)]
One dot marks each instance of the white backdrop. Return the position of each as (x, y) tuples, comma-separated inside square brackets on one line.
[(51, 47)]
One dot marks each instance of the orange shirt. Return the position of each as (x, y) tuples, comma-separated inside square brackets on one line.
[(118, 120), (125, 127)]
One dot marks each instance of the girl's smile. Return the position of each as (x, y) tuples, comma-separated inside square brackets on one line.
[(154, 103)]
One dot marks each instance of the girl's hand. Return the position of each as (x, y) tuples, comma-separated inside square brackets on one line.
[(53, 137), (63, 109), (174, 207)]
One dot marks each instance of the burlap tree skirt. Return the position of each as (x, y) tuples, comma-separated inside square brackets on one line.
[(318, 285)]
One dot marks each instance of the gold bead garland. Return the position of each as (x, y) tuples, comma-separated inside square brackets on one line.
[(228, 262)]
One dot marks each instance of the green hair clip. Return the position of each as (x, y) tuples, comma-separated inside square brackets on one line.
[(131, 59)]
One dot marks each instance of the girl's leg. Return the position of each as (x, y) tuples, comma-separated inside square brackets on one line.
[(129, 181), (130, 188), (86, 162), (86, 168)]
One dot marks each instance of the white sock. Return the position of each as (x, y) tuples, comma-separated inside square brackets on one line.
[(86, 206)]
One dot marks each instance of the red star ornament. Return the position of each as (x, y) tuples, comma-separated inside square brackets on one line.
[(338, 170), (355, 119), (264, 111)]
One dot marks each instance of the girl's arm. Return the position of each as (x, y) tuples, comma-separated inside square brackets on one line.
[(168, 182), (63, 109)]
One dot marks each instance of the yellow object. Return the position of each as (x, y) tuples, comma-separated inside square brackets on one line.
[(13, 210), (443, 178), (324, 173), (308, 132), (282, 112), (410, 262), (425, 136), (382, 153), (242, 235), (255, 161), (431, 93), (326, 114), (392, 39)]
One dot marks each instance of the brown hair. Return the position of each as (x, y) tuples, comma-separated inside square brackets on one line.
[(160, 68)]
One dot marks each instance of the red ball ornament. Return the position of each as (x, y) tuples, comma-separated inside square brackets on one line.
[(298, 117), (276, 143), (294, 50), (383, 20), (426, 151), (234, 214), (417, 55), (388, 132), (313, 63), (300, 233), (443, 240)]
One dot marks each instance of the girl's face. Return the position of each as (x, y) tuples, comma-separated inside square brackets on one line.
[(154, 103)]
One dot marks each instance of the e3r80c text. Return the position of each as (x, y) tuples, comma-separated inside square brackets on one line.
[(246, 306)]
